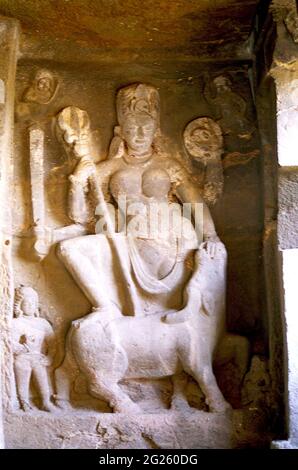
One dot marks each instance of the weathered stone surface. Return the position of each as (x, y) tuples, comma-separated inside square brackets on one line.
[(196, 430), (288, 208), (285, 74), (287, 120), (9, 50), (77, 31), (289, 270)]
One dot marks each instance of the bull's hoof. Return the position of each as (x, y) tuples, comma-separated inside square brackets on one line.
[(180, 405), (220, 407), (126, 408)]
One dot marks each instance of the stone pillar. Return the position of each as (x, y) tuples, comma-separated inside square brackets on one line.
[(9, 32), (285, 73)]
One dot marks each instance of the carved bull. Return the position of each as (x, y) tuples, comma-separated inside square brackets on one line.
[(108, 351)]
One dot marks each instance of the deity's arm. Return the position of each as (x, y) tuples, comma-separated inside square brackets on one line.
[(83, 188), (188, 192), (17, 346), (77, 200), (82, 197)]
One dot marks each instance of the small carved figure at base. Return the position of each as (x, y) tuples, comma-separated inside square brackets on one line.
[(33, 348)]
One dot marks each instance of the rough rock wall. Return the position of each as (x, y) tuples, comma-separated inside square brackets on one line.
[(9, 48)]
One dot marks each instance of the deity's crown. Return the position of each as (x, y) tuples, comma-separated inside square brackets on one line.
[(138, 100)]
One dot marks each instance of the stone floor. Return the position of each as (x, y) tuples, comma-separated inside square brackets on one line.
[(170, 429)]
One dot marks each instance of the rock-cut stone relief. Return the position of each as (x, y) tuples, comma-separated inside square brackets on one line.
[(33, 343), (157, 294), (204, 143), (229, 109), (40, 93)]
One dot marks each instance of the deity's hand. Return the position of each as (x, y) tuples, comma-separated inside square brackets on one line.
[(212, 245), (43, 240), (83, 171)]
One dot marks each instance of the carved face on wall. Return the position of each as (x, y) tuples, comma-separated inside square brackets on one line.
[(43, 88), (29, 306), (138, 132), (203, 139), (26, 302), (222, 84), (44, 84)]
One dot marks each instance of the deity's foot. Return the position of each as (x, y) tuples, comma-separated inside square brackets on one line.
[(25, 405), (48, 406)]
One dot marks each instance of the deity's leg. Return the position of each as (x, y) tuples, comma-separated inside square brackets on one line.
[(95, 266), (84, 260), (23, 374), (41, 377), (191, 298), (179, 401)]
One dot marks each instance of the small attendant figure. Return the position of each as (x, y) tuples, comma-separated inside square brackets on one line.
[(33, 348)]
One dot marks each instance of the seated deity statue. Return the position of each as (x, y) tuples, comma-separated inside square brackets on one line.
[(138, 114), (163, 283)]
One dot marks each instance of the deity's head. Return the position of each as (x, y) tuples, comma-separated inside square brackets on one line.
[(74, 125), (44, 81), (42, 89), (26, 302), (222, 84), (138, 116)]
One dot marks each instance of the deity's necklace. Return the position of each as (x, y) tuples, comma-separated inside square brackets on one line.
[(137, 160)]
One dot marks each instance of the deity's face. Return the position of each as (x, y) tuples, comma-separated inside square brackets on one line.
[(79, 141), (203, 139), (138, 133), (201, 136), (44, 84), (29, 305), (222, 85)]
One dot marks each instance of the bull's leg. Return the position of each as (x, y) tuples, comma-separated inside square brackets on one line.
[(112, 393), (234, 348), (206, 379), (64, 377), (200, 368), (179, 401)]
